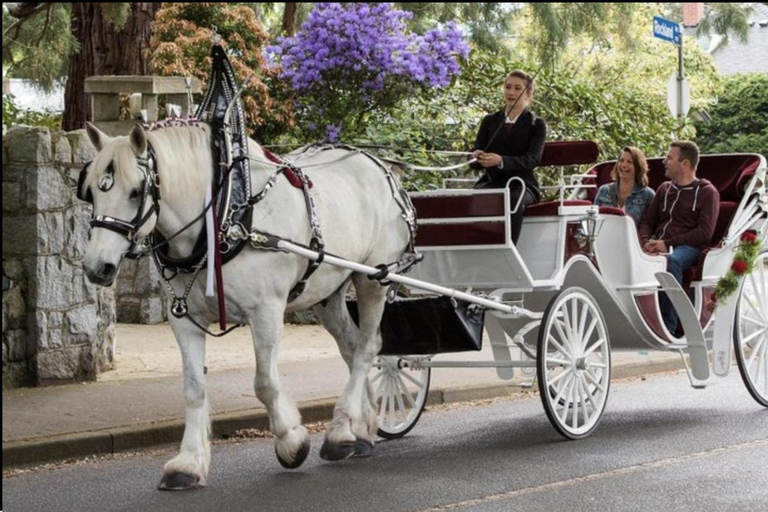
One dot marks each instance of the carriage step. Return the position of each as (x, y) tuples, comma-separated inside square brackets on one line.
[(694, 336)]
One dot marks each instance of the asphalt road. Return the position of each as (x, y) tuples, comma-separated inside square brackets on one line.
[(661, 446)]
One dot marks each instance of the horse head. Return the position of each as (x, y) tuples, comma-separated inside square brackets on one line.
[(122, 185)]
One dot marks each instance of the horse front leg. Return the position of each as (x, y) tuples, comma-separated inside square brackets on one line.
[(291, 438), (189, 469), (355, 423)]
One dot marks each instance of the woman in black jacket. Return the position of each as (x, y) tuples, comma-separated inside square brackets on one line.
[(513, 149)]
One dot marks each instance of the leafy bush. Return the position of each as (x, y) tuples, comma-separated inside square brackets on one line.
[(181, 46), (13, 114), (351, 61), (739, 119)]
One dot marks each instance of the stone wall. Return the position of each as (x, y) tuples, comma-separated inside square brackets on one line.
[(141, 298), (57, 326)]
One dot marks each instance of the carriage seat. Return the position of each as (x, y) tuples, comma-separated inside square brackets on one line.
[(724, 217), (730, 174), (460, 218)]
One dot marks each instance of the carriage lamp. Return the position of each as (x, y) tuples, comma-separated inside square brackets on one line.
[(590, 228)]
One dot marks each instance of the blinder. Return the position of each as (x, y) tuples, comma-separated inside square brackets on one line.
[(128, 229), (83, 195)]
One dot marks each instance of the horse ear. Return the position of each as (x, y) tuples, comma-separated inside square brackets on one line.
[(98, 138), (138, 140)]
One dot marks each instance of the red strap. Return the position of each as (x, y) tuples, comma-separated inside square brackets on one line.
[(288, 172), (219, 279)]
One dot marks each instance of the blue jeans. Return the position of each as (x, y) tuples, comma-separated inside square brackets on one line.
[(682, 258)]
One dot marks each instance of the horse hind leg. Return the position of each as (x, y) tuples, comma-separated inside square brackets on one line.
[(291, 438), (189, 469), (355, 423)]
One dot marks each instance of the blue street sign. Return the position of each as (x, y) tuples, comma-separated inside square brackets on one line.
[(666, 30)]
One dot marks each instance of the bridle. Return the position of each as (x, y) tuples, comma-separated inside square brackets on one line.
[(128, 229)]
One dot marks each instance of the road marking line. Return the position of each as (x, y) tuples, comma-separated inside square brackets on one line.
[(596, 476)]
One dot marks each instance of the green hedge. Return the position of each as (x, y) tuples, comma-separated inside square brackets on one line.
[(739, 120)]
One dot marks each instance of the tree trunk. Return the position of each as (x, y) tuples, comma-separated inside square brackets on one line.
[(289, 18), (104, 51)]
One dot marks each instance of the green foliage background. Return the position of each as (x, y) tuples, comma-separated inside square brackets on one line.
[(739, 119)]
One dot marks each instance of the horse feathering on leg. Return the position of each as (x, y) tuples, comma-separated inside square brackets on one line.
[(361, 222)]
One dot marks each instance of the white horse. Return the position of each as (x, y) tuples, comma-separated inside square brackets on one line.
[(361, 222)]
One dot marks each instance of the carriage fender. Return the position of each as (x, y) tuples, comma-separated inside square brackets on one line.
[(580, 271)]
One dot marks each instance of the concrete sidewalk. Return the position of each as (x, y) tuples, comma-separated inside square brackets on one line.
[(141, 404)]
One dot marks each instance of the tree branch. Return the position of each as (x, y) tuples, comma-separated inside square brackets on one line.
[(45, 27), (24, 9)]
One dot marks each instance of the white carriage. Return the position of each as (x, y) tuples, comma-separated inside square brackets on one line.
[(575, 288)]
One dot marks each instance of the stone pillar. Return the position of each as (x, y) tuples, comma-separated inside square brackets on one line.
[(57, 326)]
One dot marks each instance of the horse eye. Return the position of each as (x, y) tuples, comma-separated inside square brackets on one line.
[(135, 193)]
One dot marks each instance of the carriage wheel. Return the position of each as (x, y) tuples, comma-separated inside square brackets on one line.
[(750, 335), (574, 363), (400, 393)]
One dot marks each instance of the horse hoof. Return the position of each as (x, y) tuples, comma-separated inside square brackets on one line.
[(179, 482), (363, 448), (301, 456), (341, 451)]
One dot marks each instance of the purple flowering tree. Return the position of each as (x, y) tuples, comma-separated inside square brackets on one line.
[(350, 60)]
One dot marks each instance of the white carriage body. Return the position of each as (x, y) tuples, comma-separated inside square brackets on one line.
[(620, 275)]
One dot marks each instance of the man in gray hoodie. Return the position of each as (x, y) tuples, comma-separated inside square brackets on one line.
[(681, 219)]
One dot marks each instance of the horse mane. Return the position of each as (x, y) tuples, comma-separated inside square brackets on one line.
[(179, 151)]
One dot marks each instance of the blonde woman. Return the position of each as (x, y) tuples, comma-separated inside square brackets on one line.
[(509, 144)]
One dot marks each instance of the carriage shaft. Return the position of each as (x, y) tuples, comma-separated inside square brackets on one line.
[(415, 283)]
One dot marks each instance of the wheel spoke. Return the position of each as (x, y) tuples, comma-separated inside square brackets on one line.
[(558, 346), (567, 400), (765, 370), (563, 389), (757, 312), (392, 405), (756, 321), (575, 408), (377, 377), (752, 336), (400, 402), (755, 351), (598, 365), (558, 377), (595, 345), (384, 399), (407, 393), (589, 395), (575, 321), (560, 325), (558, 362), (590, 330), (758, 367), (412, 379), (582, 324), (583, 402), (594, 380), (380, 389)]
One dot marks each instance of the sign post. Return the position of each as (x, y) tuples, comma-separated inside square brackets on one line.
[(670, 31)]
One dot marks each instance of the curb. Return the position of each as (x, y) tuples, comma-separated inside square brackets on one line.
[(115, 440)]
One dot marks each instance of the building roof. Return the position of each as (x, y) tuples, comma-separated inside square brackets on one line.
[(738, 57)]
